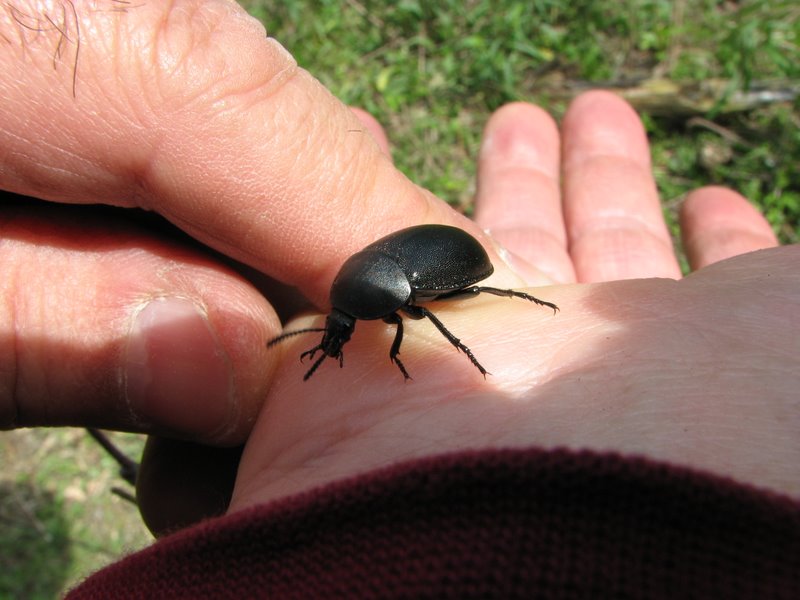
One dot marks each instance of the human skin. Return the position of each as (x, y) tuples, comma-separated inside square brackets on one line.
[(187, 110), (700, 371)]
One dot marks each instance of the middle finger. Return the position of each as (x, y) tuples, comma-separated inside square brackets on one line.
[(611, 207)]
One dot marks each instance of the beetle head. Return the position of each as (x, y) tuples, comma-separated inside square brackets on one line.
[(338, 328)]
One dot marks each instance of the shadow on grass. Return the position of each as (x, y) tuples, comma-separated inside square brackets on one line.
[(35, 549)]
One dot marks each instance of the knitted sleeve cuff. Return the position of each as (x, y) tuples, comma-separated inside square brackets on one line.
[(489, 524)]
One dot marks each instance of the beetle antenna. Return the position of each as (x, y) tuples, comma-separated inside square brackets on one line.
[(289, 334), (313, 368)]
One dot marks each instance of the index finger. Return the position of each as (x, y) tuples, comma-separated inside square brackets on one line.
[(188, 109)]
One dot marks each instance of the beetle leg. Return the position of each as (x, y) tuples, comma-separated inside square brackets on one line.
[(316, 364), (310, 353), (395, 319), (419, 312), (477, 289)]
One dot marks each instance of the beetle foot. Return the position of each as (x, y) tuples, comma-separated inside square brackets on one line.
[(402, 368), (465, 349), (474, 360), (513, 294), (530, 298), (310, 353), (316, 364)]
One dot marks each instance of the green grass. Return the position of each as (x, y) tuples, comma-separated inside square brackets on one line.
[(432, 72), (59, 520)]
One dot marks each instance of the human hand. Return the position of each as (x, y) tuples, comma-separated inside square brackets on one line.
[(110, 318), (701, 372), (157, 111), (188, 110)]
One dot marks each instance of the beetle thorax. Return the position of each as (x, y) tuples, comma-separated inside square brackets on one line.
[(370, 285)]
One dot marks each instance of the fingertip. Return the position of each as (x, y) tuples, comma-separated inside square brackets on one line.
[(718, 223), (508, 135), (601, 123), (719, 201), (181, 483), (109, 326), (518, 166), (195, 361), (194, 370), (175, 371)]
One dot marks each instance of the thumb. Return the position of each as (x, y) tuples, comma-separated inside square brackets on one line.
[(103, 324)]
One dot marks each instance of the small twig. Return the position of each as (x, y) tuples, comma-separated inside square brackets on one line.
[(124, 494), (128, 468), (721, 131)]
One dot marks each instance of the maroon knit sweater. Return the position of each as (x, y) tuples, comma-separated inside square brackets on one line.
[(493, 524)]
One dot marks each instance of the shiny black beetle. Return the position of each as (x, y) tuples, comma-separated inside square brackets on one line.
[(396, 274)]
